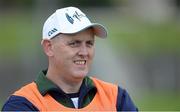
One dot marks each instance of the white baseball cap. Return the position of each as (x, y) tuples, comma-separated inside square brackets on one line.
[(70, 20)]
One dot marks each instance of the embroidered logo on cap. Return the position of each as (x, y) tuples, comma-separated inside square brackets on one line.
[(52, 31), (69, 18), (76, 15)]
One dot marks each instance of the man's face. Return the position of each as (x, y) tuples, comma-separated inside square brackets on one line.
[(72, 55)]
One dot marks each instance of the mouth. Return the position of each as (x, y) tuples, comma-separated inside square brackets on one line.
[(80, 62)]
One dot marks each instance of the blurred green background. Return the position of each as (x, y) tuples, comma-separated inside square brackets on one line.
[(141, 53)]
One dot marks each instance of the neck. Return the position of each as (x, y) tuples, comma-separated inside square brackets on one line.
[(67, 85)]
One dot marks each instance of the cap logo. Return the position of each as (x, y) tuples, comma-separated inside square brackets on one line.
[(76, 15), (52, 31), (69, 18)]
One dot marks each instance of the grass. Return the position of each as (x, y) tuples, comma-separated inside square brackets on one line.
[(145, 38), (17, 33), (1, 104), (159, 101)]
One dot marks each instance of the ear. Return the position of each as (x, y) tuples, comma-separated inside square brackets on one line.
[(47, 47)]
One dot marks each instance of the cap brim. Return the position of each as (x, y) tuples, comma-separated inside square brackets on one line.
[(99, 30)]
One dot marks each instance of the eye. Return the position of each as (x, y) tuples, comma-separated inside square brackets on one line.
[(90, 43), (74, 43)]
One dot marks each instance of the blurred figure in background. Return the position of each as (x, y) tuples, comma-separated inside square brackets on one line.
[(68, 41)]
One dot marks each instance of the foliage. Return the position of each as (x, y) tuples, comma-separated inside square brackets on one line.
[(85, 3), (63, 3), (17, 3)]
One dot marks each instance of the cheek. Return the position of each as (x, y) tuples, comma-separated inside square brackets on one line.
[(92, 53), (59, 54), (91, 57), (65, 55)]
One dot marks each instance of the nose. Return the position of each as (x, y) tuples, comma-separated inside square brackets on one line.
[(83, 50)]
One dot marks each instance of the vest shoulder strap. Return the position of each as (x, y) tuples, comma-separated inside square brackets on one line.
[(31, 93)]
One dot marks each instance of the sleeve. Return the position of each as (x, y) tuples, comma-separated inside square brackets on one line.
[(124, 102), (18, 103)]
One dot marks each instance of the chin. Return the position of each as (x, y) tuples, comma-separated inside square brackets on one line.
[(81, 74)]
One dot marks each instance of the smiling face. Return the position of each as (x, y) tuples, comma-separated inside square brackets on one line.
[(70, 56)]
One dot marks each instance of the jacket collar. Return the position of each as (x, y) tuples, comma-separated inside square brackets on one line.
[(45, 85)]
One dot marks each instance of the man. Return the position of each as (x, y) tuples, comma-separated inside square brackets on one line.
[(68, 41)]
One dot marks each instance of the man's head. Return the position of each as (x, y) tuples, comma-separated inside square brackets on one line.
[(68, 41), (70, 20)]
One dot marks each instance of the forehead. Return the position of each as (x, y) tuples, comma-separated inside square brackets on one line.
[(87, 34)]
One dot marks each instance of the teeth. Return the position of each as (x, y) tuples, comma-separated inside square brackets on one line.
[(80, 62)]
